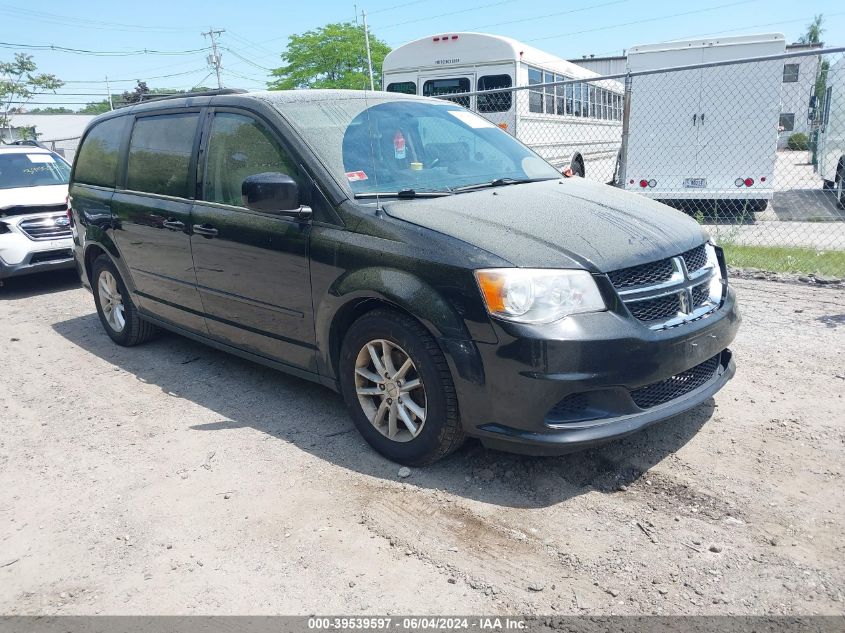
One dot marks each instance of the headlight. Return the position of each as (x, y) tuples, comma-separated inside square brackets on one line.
[(717, 282), (534, 295)]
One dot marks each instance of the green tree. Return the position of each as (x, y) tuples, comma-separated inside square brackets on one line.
[(18, 82), (98, 107), (51, 110), (332, 56), (814, 31)]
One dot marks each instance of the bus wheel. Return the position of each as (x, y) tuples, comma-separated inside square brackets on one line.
[(577, 167), (840, 187)]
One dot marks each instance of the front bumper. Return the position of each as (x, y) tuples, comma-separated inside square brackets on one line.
[(21, 254), (555, 389)]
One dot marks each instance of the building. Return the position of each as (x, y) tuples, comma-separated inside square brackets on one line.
[(799, 84), (59, 132)]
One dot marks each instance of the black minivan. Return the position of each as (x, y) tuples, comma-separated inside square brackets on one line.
[(407, 253)]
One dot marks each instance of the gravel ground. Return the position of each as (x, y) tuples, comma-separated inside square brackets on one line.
[(175, 479)]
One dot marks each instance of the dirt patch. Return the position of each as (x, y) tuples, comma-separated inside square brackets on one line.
[(175, 479)]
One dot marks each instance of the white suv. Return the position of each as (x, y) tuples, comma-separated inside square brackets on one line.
[(34, 226)]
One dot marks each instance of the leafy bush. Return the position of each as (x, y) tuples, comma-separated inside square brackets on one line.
[(798, 141)]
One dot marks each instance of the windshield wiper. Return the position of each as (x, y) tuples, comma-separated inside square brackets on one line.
[(499, 182), (403, 194)]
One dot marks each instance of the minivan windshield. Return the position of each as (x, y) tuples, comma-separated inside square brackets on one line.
[(35, 169), (381, 146)]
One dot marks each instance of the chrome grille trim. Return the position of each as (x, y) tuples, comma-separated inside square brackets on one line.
[(48, 228), (652, 304)]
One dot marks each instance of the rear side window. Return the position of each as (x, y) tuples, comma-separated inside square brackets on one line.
[(160, 154), (404, 87), (96, 162)]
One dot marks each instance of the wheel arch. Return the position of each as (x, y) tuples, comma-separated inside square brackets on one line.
[(362, 291)]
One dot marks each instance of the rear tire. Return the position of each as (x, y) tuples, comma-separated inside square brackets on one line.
[(117, 312), (577, 167), (414, 425), (839, 191)]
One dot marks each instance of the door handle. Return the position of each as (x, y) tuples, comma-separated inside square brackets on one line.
[(174, 225), (205, 230), (694, 119), (702, 118)]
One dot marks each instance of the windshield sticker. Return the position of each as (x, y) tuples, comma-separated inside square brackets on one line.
[(470, 119), (40, 158), (355, 176)]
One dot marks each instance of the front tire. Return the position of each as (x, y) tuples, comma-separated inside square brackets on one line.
[(399, 390), (117, 312)]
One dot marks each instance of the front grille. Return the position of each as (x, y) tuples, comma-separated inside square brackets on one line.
[(695, 259), (645, 275), (658, 309), (572, 405), (50, 228), (670, 291), (700, 294), (51, 256), (676, 386)]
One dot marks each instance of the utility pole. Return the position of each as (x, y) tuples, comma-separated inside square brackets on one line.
[(108, 90), (214, 58), (369, 57)]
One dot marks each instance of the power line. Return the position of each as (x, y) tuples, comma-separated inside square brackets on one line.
[(635, 22), (52, 18), (549, 15), (443, 15), (80, 51), (248, 61), (99, 81)]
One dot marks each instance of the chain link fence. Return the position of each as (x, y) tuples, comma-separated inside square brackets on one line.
[(754, 149)]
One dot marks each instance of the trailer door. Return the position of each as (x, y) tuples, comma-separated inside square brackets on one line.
[(663, 132), (738, 125)]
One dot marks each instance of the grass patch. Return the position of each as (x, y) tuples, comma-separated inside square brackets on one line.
[(783, 259)]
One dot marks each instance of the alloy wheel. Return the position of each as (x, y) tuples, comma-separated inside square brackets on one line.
[(111, 301), (390, 390)]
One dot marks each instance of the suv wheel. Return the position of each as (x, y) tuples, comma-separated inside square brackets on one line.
[(397, 385), (115, 308)]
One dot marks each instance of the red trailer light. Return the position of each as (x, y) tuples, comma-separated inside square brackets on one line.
[(644, 183), (762, 179), (749, 182)]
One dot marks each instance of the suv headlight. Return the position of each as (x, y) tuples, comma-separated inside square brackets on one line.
[(536, 295)]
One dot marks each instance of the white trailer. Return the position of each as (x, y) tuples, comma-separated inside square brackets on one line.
[(831, 141), (708, 133), (576, 125)]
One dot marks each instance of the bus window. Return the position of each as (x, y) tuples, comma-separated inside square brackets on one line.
[(593, 103), (496, 102), (560, 99), (585, 101), (438, 87), (535, 97), (550, 93), (405, 87), (569, 109), (604, 113), (576, 99)]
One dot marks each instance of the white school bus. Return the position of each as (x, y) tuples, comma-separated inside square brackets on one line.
[(577, 124)]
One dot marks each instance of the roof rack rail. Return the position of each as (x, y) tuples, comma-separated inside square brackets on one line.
[(205, 93)]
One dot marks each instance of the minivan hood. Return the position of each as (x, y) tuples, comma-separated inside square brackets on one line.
[(569, 223), (46, 195)]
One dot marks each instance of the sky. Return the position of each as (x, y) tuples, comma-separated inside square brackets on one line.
[(256, 32)]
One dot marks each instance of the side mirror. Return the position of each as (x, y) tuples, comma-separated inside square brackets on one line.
[(273, 192)]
